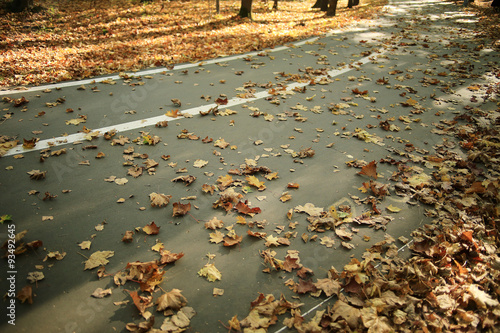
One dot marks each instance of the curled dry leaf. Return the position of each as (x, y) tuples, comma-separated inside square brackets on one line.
[(159, 199), (186, 179), (168, 257), (128, 237), (37, 174), (210, 272), (181, 209), (101, 293)]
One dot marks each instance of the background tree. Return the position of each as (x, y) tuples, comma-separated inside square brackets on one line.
[(20, 5), (328, 6), (246, 9), (352, 3), (332, 8)]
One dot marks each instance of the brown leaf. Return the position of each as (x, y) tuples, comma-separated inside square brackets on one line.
[(186, 179), (37, 174), (128, 237), (369, 170), (151, 229), (168, 257), (242, 208), (141, 302), (25, 294), (181, 209), (159, 199)]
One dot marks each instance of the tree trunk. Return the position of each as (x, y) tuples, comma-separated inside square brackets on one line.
[(275, 5), (332, 8), (20, 5), (321, 4), (217, 6), (246, 9), (352, 3)]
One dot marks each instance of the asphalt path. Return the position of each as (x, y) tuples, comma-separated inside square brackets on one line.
[(413, 67)]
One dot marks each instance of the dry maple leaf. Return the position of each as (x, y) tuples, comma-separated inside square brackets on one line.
[(200, 163), (216, 237), (159, 199), (214, 223), (151, 229), (221, 143), (98, 258), (232, 239), (208, 188), (272, 241), (242, 208), (254, 181), (225, 181), (173, 113), (168, 257), (181, 209), (210, 272), (369, 170), (327, 241), (135, 171), (29, 144), (309, 208), (171, 300)]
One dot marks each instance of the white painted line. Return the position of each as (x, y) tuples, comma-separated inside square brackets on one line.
[(152, 71), (72, 138)]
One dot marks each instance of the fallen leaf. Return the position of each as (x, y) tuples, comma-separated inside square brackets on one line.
[(98, 258), (25, 294), (181, 209), (85, 245), (210, 272), (200, 163), (214, 223), (216, 237), (159, 199), (369, 170), (171, 300), (101, 293), (151, 229)]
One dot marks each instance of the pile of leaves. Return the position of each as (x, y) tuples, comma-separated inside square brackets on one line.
[(80, 39), (451, 282), (489, 20)]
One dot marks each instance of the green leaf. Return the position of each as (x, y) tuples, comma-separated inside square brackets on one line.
[(5, 218)]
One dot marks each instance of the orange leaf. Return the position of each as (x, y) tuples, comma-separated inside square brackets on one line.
[(369, 170), (151, 229), (181, 209)]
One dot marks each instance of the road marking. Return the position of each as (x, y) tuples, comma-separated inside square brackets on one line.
[(72, 138), (152, 71)]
